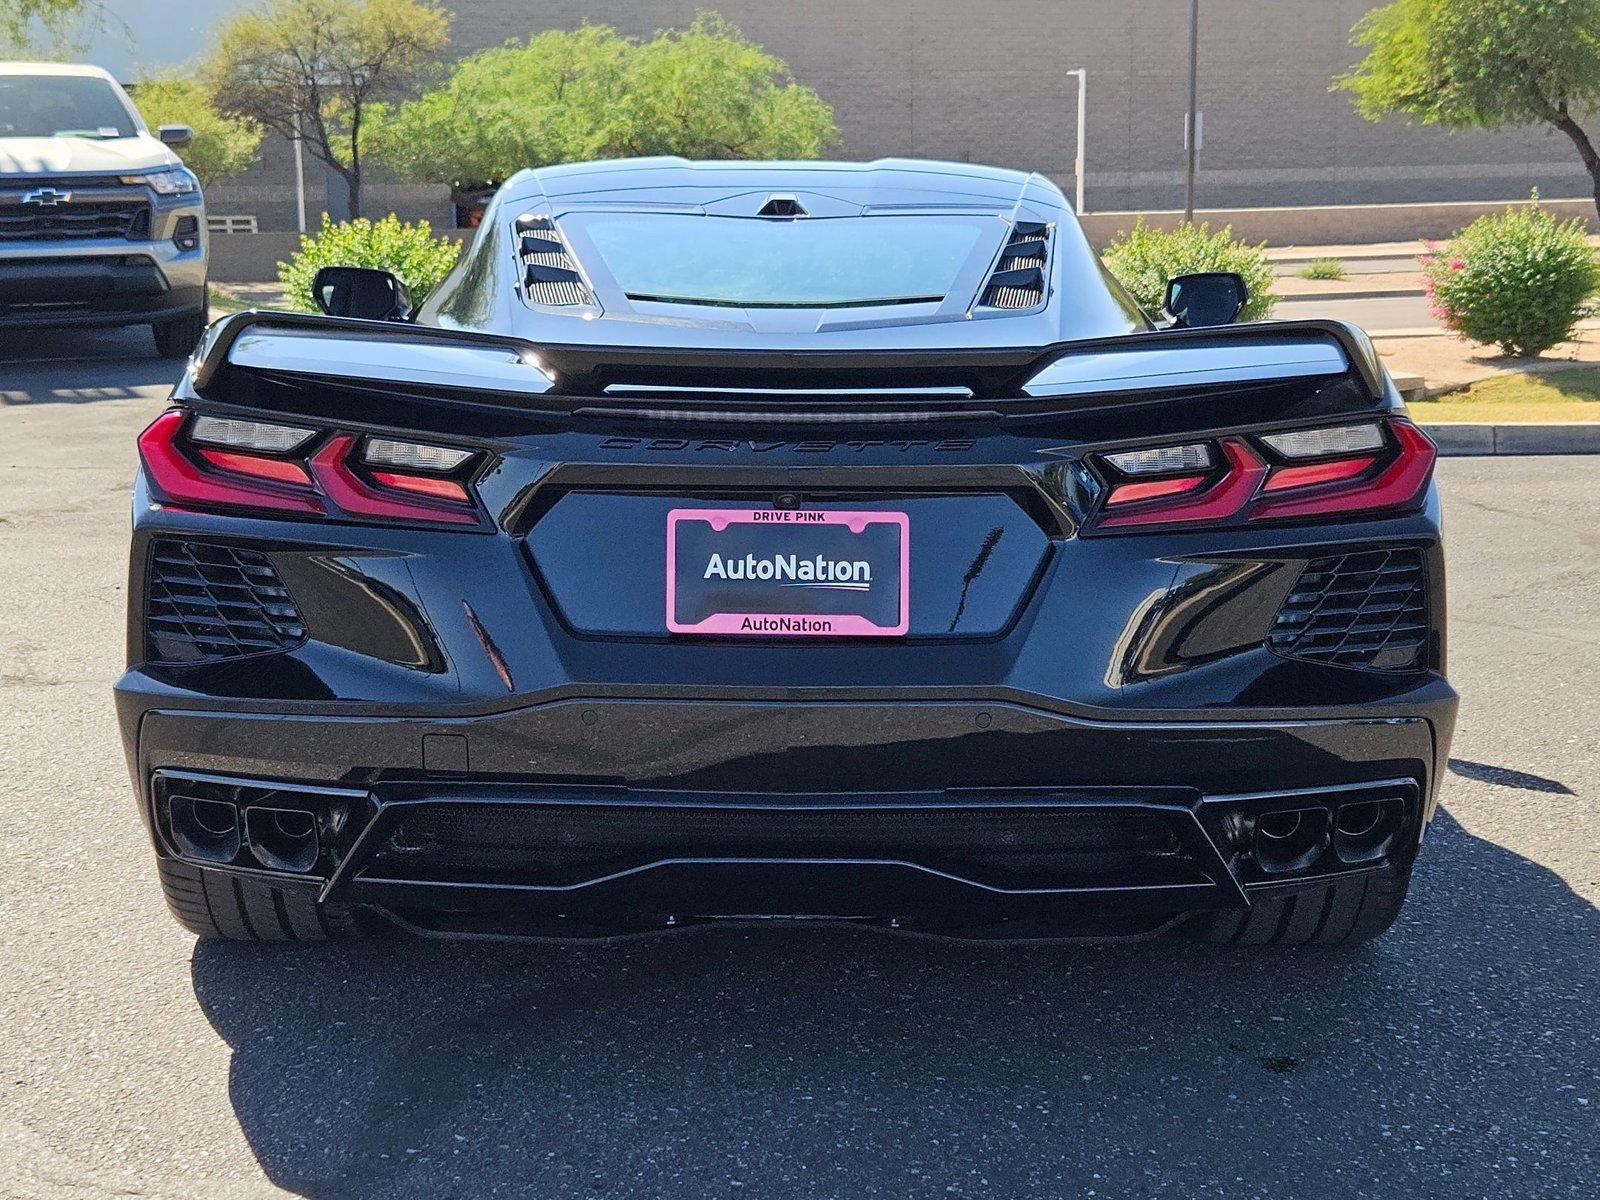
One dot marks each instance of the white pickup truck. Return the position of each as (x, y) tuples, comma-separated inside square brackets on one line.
[(100, 222)]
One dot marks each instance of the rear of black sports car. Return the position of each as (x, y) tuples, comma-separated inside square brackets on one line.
[(469, 630)]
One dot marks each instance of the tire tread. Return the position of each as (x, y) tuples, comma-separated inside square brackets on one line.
[(215, 904), (1341, 912)]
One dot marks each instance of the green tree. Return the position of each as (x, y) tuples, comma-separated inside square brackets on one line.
[(27, 24), (1467, 64), (222, 145), (316, 68), (567, 95)]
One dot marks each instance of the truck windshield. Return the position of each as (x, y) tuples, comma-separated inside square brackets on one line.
[(62, 106), (814, 262)]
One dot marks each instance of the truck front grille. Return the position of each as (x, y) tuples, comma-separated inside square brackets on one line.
[(74, 220)]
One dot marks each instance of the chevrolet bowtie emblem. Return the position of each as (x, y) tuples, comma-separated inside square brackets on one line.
[(46, 196)]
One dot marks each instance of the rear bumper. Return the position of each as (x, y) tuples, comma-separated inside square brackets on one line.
[(602, 816)]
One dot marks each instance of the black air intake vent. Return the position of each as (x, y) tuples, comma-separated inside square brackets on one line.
[(209, 602), (1357, 610), (1018, 280), (549, 274)]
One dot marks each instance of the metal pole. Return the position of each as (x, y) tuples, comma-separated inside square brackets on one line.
[(299, 176), (1191, 120), (1077, 163)]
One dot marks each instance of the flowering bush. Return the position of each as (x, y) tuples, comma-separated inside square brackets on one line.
[(411, 252), (1144, 259), (1520, 280)]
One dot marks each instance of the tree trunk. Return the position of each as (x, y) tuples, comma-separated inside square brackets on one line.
[(1563, 121)]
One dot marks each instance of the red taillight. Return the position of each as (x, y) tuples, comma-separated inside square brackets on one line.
[(1329, 472), (329, 482), (184, 481), (331, 467), (1152, 489), (279, 470), (1251, 489), (1398, 483), (1223, 499)]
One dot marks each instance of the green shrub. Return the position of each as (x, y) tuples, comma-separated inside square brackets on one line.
[(419, 259), (1322, 268), (1519, 280), (1144, 259)]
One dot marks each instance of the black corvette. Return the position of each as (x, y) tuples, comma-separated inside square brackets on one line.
[(821, 542)]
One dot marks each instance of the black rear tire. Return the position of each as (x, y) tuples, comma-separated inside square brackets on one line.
[(215, 904), (177, 339), (1344, 912)]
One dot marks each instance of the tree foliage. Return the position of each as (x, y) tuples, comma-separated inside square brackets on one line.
[(317, 67), (26, 24), (222, 145), (568, 95), (1469, 64)]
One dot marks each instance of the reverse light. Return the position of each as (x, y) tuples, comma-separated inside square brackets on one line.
[(249, 435), (1163, 460), (1327, 442), (412, 456)]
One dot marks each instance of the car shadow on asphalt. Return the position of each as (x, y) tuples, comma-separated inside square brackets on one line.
[(1454, 1056), (80, 366)]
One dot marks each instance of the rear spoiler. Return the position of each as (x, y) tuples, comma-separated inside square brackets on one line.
[(495, 367)]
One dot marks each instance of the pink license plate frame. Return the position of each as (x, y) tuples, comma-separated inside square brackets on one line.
[(791, 625)]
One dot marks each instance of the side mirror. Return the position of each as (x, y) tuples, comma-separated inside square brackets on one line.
[(175, 135), (364, 292), (1206, 298)]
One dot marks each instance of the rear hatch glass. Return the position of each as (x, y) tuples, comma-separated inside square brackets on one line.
[(812, 262)]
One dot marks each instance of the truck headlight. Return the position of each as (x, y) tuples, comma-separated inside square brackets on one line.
[(169, 181)]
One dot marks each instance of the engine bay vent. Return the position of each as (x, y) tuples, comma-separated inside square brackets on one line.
[(1018, 279), (550, 276)]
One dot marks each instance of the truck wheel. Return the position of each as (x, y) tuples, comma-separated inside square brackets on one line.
[(215, 904), (176, 339), (1342, 913)]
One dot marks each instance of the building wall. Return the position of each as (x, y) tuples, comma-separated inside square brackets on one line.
[(984, 80)]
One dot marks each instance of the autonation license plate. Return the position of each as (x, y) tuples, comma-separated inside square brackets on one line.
[(750, 572)]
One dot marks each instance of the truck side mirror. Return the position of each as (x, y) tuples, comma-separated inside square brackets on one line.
[(175, 135), (365, 292), (1205, 298)]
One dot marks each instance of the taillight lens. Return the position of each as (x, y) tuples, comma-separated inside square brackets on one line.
[(1299, 474), (215, 462)]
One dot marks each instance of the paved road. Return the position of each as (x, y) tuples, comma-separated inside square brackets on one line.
[(1458, 1057), (1375, 315)]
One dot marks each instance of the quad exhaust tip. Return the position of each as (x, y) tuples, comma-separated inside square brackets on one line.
[(282, 839), (203, 829)]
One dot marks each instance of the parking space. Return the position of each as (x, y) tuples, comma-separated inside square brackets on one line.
[(1456, 1057)]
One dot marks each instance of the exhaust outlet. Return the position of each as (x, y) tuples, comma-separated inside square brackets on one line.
[(202, 829), (1364, 830), (1291, 839), (282, 839)]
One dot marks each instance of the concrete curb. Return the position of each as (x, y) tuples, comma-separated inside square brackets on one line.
[(1469, 440)]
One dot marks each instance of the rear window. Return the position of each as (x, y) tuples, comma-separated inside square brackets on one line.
[(813, 262), (62, 106)]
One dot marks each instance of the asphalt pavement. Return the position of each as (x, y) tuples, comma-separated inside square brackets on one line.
[(1457, 1057)]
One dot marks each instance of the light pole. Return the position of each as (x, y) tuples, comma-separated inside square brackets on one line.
[(1191, 119), (1077, 162)]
